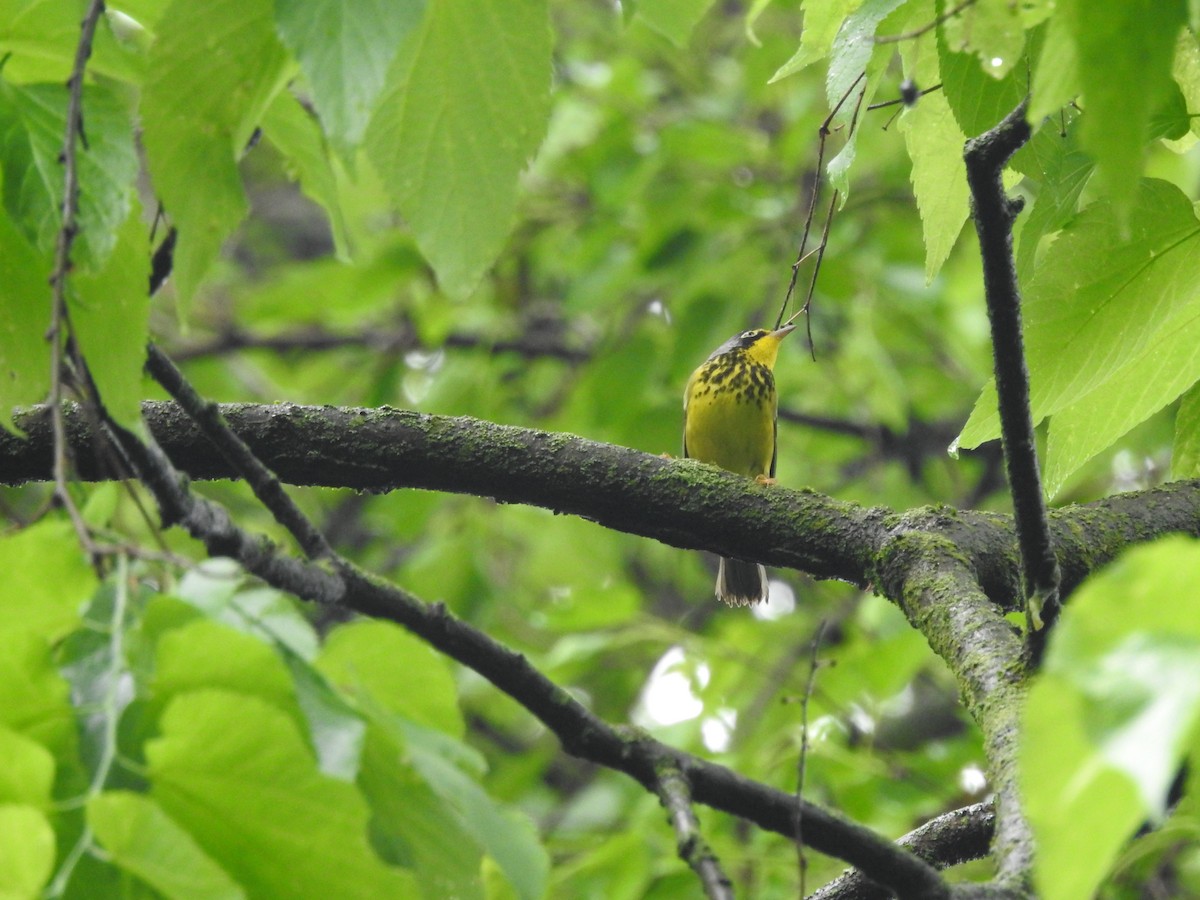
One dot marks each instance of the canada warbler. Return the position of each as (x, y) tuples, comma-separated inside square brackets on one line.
[(729, 409)]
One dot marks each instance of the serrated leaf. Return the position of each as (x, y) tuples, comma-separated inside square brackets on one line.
[(213, 71), (1103, 292), (235, 773), (822, 19), (28, 858), (297, 135), (1125, 50), (1142, 387), (939, 178), (49, 606), (851, 52), (110, 320), (144, 841), (25, 297), (345, 48), (1185, 455), (1107, 725), (673, 19), (32, 128), (451, 135)]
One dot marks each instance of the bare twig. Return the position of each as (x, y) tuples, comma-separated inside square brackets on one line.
[(802, 254), (884, 104), (60, 325), (261, 480), (676, 796)]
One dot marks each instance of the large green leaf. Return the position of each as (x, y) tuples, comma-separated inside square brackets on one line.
[(34, 697), (28, 772), (345, 48), (1124, 49), (1185, 455), (453, 132), (28, 858), (236, 774), (49, 606), (392, 670), (145, 841), (214, 69), (1101, 298), (978, 98), (1107, 724)]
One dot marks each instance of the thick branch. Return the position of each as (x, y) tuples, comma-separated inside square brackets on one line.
[(679, 502), (994, 213)]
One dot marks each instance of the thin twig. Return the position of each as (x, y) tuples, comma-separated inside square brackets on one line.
[(802, 763), (676, 796), (261, 480), (803, 253), (60, 324), (884, 104), (924, 29)]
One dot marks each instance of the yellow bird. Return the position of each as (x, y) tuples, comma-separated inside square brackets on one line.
[(729, 411)]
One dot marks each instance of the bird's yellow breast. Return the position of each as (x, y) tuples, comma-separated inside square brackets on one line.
[(729, 416)]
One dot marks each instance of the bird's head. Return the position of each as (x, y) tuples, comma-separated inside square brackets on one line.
[(759, 344)]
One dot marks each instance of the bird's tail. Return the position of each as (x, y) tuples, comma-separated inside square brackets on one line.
[(741, 583)]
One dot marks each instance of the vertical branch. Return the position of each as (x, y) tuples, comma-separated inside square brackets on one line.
[(994, 213), (59, 322)]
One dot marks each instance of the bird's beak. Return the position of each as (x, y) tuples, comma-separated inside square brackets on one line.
[(780, 333)]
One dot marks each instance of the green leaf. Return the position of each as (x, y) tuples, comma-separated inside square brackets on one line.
[(509, 837), (939, 179), (1056, 75), (1185, 455), (1100, 298), (110, 319), (1147, 383), (1125, 50), (27, 776), (25, 298), (993, 31), (345, 48), (1060, 171), (451, 135), (382, 663), (235, 773), (213, 71), (34, 697), (32, 127), (49, 606), (145, 841), (28, 858), (1108, 724), (42, 37), (335, 728), (297, 135), (822, 19), (412, 825), (977, 97), (673, 19)]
